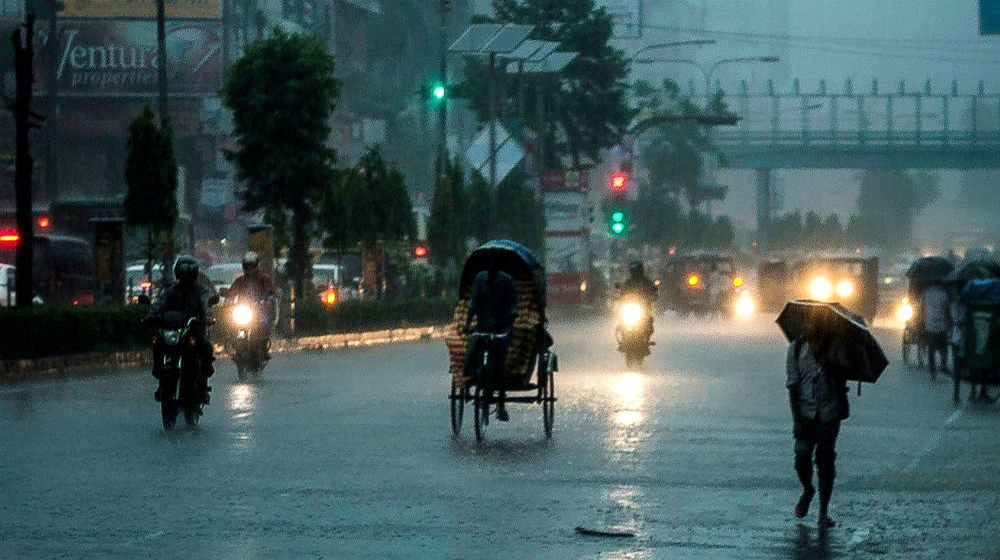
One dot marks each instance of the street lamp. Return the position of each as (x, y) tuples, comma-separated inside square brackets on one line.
[(707, 72), (673, 44)]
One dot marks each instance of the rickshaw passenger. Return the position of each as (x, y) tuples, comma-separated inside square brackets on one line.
[(494, 304)]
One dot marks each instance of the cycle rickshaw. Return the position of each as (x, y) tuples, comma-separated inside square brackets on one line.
[(527, 375), (977, 355), (922, 274)]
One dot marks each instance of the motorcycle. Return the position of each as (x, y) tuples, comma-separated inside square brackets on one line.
[(179, 369), (633, 330), (249, 343)]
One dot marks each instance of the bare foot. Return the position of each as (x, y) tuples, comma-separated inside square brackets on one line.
[(802, 508)]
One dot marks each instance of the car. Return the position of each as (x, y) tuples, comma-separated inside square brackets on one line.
[(222, 275), (137, 283)]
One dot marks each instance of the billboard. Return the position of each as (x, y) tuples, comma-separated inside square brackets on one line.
[(989, 17), (140, 9), (117, 58), (565, 211)]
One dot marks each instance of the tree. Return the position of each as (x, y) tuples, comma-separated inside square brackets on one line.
[(447, 227), (282, 92), (590, 106), (151, 179), (519, 216), (888, 201), (482, 208), (367, 204)]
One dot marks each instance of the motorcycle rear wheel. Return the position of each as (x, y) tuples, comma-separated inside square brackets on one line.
[(168, 412)]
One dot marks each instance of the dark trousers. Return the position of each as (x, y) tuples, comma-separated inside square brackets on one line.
[(937, 345), (498, 358), (819, 438)]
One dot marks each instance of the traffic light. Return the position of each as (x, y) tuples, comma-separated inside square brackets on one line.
[(439, 91), (618, 223), (420, 251), (619, 183)]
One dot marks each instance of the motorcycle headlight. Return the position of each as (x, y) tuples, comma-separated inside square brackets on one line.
[(242, 315), (845, 288), (820, 289), (172, 338), (631, 314), (905, 312), (744, 305)]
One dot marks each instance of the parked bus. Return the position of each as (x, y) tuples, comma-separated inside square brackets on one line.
[(63, 272)]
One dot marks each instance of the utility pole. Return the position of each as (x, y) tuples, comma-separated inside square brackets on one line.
[(52, 102), (227, 34), (24, 53), (161, 58)]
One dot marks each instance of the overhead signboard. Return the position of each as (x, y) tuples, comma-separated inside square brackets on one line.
[(140, 9), (508, 153), (989, 17), (626, 15), (118, 58)]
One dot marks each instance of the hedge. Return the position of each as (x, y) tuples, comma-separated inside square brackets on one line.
[(45, 331), (362, 315)]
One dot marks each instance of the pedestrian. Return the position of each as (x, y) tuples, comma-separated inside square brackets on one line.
[(935, 305), (818, 400)]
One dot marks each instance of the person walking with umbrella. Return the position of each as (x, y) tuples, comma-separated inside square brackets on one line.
[(829, 345), (815, 400)]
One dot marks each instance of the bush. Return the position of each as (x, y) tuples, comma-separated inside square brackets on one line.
[(360, 315), (45, 331), (52, 331)]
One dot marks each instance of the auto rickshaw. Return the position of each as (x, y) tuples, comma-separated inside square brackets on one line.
[(528, 373), (978, 361), (851, 281), (702, 282)]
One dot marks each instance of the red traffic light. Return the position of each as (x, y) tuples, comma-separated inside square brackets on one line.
[(44, 222), (619, 181), (420, 251)]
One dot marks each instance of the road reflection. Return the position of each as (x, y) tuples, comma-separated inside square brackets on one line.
[(242, 401), (628, 412)]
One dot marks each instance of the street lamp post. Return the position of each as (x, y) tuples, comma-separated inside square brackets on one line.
[(673, 44), (708, 72)]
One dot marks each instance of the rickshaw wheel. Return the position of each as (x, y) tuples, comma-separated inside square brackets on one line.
[(457, 407), (481, 411), (549, 403)]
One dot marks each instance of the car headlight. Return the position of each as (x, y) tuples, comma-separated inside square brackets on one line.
[(744, 304), (242, 315), (693, 280), (631, 314), (905, 312), (845, 288), (820, 289)]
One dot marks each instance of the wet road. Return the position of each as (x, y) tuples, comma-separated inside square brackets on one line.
[(349, 455)]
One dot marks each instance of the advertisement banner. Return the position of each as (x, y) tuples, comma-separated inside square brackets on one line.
[(140, 9), (565, 253), (119, 58), (566, 179), (565, 211)]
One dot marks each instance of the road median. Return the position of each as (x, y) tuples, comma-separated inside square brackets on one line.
[(99, 362)]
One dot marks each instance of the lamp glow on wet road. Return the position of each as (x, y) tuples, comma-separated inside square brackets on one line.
[(241, 397)]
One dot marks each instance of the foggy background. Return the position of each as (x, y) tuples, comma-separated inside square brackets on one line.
[(887, 40)]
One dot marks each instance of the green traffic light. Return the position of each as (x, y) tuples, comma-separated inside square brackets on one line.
[(439, 92), (618, 217), (618, 228)]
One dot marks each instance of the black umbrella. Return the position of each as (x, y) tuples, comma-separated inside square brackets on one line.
[(976, 270), (854, 349), (930, 269)]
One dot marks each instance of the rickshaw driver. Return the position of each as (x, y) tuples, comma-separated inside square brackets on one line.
[(494, 304)]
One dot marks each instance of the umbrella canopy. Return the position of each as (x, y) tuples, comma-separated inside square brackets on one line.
[(854, 350), (930, 269), (974, 270)]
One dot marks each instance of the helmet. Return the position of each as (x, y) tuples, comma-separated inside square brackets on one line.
[(186, 269), (251, 262), (635, 268)]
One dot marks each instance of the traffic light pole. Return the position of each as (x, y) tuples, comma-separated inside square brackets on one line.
[(161, 58), (443, 109), (493, 120)]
